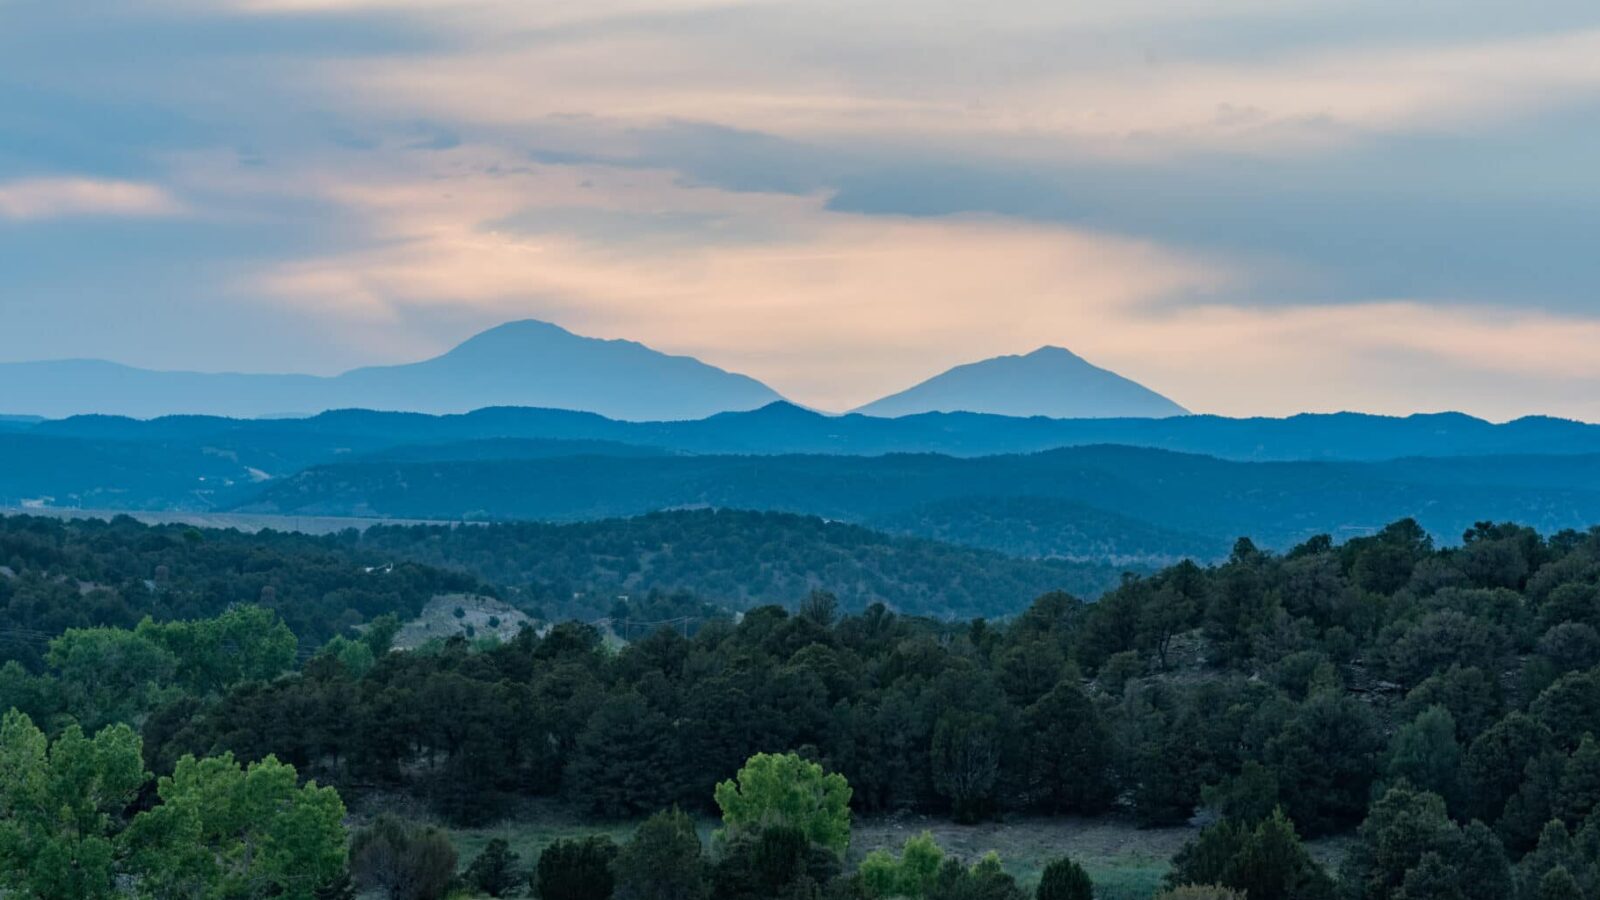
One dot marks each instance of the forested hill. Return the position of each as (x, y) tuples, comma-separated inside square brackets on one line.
[(736, 560), (1162, 504), (58, 575)]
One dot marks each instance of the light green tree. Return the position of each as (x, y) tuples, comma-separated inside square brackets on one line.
[(116, 675), (244, 643), (784, 790), (57, 800), (912, 875), (354, 656), (225, 831), (110, 674)]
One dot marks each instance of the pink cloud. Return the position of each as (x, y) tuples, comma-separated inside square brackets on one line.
[(51, 198)]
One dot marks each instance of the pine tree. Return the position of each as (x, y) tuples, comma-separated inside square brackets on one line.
[(1558, 884), (1064, 879), (495, 870), (1579, 792)]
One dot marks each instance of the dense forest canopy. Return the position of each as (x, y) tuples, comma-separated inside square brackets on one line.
[(666, 565), (1438, 705), (57, 575), (735, 559)]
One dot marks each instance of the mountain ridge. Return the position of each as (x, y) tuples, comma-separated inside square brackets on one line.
[(521, 363), (781, 427), (1050, 381)]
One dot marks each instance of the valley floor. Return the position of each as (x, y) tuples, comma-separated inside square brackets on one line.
[(246, 522)]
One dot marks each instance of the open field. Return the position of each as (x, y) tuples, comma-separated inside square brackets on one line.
[(1126, 862)]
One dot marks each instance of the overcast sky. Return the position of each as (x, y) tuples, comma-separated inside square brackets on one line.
[(1252, 206)]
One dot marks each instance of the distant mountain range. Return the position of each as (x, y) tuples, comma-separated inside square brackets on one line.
[(537, 364), (527, 363), (1050, 381)]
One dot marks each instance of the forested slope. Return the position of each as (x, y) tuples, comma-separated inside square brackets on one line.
[(736, 559), (56, 575)]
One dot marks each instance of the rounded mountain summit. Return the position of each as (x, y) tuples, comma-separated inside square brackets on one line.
[(1050, 381), (534, 363), (526, 363)]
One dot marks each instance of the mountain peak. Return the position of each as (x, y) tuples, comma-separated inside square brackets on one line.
[(529, 362), (524, 363), (1051, 351), (784, 409), (523, 334), (520, 328), (1050, 381)]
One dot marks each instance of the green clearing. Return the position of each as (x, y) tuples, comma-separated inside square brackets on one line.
[(1126, 862)]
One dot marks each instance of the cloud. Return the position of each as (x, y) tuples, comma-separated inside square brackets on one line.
[(835, 308), (500, 16), (1395, 357), (888, 77), (53, 198)]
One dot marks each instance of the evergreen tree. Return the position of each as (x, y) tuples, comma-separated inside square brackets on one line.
[(1069, 758), (1425, 753), (1430, 879), (495, 871), (662, 861), (1579, 792), (620, 765), (1267, 861), (403, 860), (576, 869), (1558, 884), (1484, 871), (1064, 879)]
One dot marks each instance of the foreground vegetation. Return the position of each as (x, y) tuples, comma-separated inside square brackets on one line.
[(1435, 707)]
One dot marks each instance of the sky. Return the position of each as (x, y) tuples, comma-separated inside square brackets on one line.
[(1254, 207)]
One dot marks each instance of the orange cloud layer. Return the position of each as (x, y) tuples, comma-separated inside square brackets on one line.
[(836, 309)]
